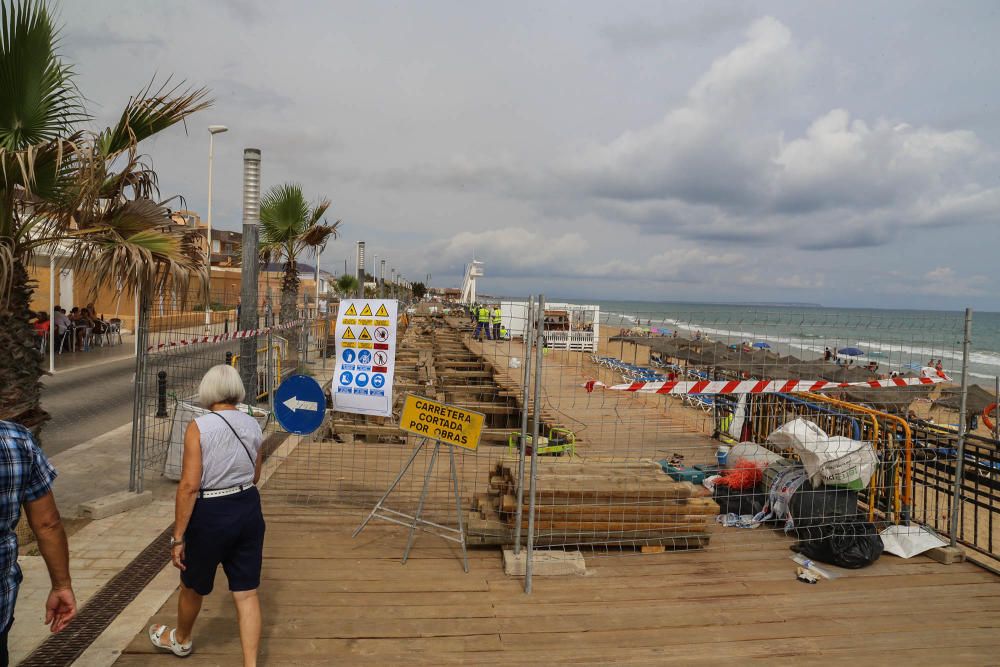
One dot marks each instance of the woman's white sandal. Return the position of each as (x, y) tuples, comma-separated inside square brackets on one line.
[(180, 650)]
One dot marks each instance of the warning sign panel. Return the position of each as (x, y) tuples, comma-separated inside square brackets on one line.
[(440, 421), (364, 373)]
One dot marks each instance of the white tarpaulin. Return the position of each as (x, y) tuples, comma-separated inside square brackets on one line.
[(366, 356)]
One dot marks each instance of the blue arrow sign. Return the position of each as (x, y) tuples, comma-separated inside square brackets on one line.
[(299, 404)]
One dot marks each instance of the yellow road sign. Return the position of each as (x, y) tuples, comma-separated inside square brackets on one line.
[(348, 334), (382, 312), (351, 310), (365, 334), (366, 311), (440, 421)]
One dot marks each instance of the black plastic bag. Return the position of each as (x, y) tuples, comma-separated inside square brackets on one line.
[(850, 545), (815, 510), (739, 501)]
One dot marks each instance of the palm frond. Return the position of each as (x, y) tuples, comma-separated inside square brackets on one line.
[(150, 112), (40, 102), (316, 236), (283, 214), (135, 246)]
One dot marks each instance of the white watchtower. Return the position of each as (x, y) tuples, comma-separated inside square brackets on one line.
[(472, 271)]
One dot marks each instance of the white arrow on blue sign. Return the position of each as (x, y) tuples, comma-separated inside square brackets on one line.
[(299, 404)]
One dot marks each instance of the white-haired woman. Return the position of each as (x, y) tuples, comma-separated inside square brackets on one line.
[(218, 514)]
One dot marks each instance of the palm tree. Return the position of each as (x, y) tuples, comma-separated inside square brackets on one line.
[(347, 285), (88, 195), (289, 225)]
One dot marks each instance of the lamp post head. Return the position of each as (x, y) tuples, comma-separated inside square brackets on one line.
[(217, 129)]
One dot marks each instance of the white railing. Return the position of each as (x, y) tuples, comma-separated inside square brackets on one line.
[(579, 341)]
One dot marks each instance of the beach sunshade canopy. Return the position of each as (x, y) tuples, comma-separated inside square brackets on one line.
[(977, 401), (851, 351)]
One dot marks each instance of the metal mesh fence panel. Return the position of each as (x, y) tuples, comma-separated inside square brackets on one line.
[(731, 427), (674, 427), (176, 349)]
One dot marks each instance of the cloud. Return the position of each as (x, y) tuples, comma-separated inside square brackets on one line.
[(645, 33), (718, 166), (511, 251)]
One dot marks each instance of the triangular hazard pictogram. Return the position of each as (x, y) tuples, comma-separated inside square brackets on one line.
[(366, 311), (382, 312), (364, 334), (348, 334), (351, 310)]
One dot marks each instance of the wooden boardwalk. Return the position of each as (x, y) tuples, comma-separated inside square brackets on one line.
[(329, 599)]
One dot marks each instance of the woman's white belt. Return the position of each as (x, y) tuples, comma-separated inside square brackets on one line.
[(218, 493)]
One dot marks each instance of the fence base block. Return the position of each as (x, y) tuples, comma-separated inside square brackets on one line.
[(116, 503), (947, 555), (544, 563)]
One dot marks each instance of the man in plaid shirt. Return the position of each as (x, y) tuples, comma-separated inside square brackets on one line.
[(26, 480)]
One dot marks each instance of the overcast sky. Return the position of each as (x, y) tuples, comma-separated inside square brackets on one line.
[(842, 153)]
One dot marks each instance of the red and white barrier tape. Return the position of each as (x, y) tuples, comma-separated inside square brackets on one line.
[(219, 338), (772, 386)]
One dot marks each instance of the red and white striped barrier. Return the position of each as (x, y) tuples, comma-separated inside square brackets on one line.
[(772, 386), (219, 338)]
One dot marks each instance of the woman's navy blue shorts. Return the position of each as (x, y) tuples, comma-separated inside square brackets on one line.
[(227, 531)]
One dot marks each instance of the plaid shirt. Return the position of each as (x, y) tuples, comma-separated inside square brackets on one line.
[(25, 475)]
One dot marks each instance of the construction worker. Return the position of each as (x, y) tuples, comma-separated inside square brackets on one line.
[(495, 320), (482, 322), (504, 335), (473, 311)]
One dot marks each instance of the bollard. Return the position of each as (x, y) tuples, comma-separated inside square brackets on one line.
[(161, 394), (229, 358)]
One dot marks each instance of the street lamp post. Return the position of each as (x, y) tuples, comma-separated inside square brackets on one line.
[(381, 278), (212, 131)]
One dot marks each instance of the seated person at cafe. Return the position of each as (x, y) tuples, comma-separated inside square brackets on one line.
[(60, 320), (41, 323), (100, 326)]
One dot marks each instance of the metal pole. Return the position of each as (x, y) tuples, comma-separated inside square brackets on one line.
[(526, 392), (319, 256), (996, 420), (956, 498), (458, 508), (361, 270), (53, 330), (536, 424), (250, 269), (208, 234), (138, 411), (271, 372), (381, 280), (423, 499)]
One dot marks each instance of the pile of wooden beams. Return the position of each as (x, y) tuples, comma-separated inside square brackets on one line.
[(598, 503)]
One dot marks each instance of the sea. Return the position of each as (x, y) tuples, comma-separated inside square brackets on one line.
[(901, 340)]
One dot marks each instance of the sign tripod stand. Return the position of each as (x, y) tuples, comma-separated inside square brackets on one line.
[(416, 520)]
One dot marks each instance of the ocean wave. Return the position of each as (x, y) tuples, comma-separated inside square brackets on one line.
[(892, 355)]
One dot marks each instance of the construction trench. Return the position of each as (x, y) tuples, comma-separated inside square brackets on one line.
[(600, 500)]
